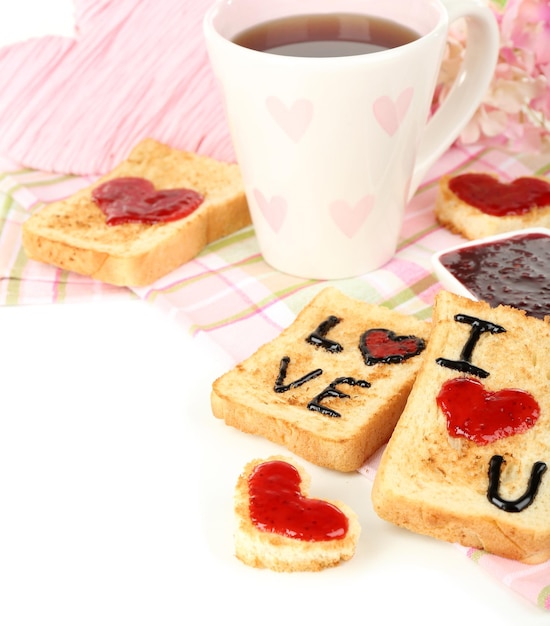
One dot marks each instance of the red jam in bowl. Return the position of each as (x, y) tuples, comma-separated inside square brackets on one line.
[(514, 271)]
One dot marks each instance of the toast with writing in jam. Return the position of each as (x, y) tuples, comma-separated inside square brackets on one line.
[(331, 386), (467, 461)]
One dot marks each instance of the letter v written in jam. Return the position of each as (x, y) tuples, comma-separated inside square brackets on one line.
[(281, 386)]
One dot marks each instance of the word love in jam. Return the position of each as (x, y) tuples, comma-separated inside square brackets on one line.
[(482, 416), (377, 345)]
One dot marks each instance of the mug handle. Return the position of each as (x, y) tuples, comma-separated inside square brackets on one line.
[(473, 80)]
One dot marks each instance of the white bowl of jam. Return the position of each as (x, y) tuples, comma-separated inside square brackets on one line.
[(512, 268)]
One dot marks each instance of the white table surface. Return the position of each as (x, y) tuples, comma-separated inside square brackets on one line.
[(116, 488)]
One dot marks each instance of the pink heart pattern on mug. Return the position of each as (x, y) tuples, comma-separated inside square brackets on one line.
[(389, 114), (349, 219), (273, 210), (295, 119)]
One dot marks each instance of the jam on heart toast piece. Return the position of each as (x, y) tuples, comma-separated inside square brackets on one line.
[(280, 527), (75, 234), (478, 204), (467, 461), (331, 386)]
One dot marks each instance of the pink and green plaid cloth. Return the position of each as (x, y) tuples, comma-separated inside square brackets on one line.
[(231, 296)]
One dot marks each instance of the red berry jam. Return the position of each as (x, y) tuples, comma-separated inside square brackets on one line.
[(513, 271), (484, 416), (278, 506), (132, 199), (380, 345), (493, 197)]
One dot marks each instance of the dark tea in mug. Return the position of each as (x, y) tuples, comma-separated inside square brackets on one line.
[(326, 35)]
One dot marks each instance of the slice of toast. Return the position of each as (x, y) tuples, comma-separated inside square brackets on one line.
[(317, 389), (73, 233), (462, 218), (472, 415), (273, 524)]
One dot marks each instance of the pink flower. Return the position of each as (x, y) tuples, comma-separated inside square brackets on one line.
[(516, 108), (526, 24)]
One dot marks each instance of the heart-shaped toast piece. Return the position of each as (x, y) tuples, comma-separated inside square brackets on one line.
[(484, 416), (280, 527)]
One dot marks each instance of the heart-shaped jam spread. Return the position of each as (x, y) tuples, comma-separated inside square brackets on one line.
[(379, 345), (493, 197), (133, 199), (278, 506), (484, 416)]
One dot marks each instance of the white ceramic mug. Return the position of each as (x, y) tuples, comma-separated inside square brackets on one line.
[(331, 149)]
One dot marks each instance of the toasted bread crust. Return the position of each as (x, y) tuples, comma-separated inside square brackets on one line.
[(435, 484), (466, 220), (245, 397), (73, 234), (262, 549)]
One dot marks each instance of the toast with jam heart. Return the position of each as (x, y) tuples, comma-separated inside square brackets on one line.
[(280, 527), (154, 212), (331, 386), (478, 204), (467, 460)]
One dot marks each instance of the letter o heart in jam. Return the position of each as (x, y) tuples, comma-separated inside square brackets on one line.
[(379, 345), (278, 506), (493, 197), (134, 199), (484, 416)]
